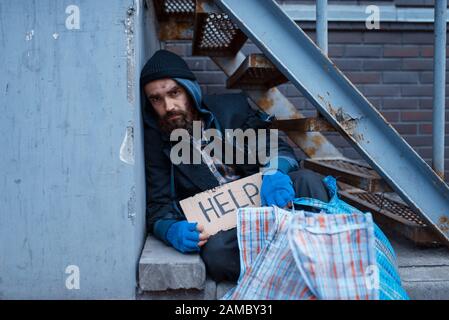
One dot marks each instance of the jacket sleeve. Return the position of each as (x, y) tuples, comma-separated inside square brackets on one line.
[(160, 209)]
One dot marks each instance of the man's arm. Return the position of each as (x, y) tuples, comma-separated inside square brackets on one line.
[(165, 221), (277, 187), (160, 211)]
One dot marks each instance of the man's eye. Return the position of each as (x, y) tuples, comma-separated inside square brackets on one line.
[(175, 93), (154, 100)]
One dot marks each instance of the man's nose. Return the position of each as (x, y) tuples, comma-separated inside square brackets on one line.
[(169, 104)]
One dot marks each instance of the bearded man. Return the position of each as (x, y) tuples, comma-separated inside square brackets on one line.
[(173, 100)]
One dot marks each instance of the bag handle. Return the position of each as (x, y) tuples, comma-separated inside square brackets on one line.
[(310, 202)]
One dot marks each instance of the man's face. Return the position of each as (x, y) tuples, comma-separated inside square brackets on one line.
[(172, 104)]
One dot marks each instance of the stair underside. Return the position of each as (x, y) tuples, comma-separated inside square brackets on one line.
[(256, 72), (349, 171), (390, 213), (215, 35)]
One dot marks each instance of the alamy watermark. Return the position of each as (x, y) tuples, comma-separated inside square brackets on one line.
[(72, 282), (235, 146), (372, 277), (72, 22), (372, 22)]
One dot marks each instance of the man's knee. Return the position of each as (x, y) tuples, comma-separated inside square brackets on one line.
[(309, 184), (305, 176), (221, 256)]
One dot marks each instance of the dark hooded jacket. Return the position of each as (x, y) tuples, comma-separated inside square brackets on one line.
[(167, 184)]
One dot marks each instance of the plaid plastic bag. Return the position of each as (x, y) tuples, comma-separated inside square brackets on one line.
[(268, 269), (385, 274), (338, 262), (335, 254)]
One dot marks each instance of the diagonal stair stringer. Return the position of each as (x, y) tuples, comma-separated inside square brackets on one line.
[(339, 101)]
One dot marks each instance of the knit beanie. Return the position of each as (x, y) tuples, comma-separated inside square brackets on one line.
[(165, 64)]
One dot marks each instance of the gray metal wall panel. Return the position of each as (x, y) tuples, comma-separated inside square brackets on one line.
[(66, 99)]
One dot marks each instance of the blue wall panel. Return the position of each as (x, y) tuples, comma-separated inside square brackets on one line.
[(67, 99)]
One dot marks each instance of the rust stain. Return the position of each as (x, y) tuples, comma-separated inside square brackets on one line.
[(358, 137), (200, 6), (310, 151), (265, 103), (444, 223), (348, 123), (173, 30), (260, 61), (349, 126), (318, 140)]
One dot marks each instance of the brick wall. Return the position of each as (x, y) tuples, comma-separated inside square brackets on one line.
[(393, 69)]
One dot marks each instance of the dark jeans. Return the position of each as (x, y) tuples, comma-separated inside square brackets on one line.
[(221, 252)]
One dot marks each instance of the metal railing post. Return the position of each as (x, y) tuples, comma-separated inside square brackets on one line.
[(321, 25), (439, 86)]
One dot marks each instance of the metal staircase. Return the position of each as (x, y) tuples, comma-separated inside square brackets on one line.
[(220, 28)]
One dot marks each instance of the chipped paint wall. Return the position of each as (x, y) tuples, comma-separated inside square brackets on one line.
[(72, 195)]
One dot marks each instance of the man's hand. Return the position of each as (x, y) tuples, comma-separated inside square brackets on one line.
[(277, 189), (204, 236), (186, 237)]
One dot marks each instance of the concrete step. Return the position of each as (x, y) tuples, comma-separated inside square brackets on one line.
[(163, 268), (424, 271), (211, 291), (165, 274)]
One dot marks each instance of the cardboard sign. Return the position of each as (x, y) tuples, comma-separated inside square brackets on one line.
[(216, 209)]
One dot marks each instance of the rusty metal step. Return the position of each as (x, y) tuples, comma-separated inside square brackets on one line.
[(214, 33), (391, 213), (317, 124), (349, 171), (256, 73), (176, 18), (174, 8)]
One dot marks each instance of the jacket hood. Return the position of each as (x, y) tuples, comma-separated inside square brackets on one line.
[(193, 89)]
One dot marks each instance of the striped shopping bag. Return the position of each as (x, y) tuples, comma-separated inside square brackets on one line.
[(268, 269), (338, 253), (385, 274), (335, 254)]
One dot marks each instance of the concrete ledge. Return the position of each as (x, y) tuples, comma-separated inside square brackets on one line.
[(163, 268), (165, 274), (211, 291), (208, 293), (424, 271)]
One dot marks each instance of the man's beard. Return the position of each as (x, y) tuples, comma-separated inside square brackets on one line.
[(184, 121)]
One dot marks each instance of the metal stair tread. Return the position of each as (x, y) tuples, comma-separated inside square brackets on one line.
[(348, 171), (393, 215), (214, 33), (166, 8), (256, 72)]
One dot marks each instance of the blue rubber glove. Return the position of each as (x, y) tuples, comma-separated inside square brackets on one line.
[(184, 236), (277, 189)]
